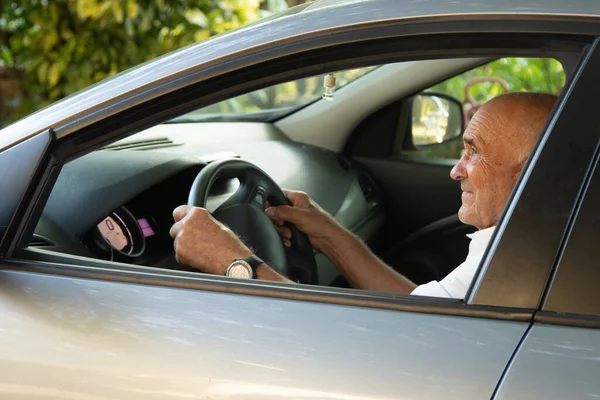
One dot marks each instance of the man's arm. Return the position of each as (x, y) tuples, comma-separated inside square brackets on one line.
[(207, 245), (357, 263), (362, 268), (266, 273), (348, 253)]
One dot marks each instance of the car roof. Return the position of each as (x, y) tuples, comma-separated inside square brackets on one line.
[(423, 7), (103, 98)]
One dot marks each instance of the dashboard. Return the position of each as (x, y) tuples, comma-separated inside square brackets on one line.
[(116, 204)]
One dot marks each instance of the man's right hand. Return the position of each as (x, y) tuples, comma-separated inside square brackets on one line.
[(308, 217), (345, 250)]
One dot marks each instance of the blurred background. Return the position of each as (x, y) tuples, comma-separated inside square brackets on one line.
[(52, 48)]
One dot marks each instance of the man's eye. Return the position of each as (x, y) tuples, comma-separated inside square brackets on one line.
[(470, 150)]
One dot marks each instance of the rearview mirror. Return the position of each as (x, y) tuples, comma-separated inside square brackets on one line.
[(435, 118)]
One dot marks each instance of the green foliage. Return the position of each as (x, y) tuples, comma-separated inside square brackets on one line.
[(64, 46), (520, 75)]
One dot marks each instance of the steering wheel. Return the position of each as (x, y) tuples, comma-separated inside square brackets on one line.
[(244, 214)]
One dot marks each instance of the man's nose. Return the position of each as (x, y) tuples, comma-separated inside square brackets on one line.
[(458, 172)]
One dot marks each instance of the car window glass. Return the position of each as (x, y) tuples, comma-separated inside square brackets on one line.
[(276, 99), (478, 85), (575, 286)]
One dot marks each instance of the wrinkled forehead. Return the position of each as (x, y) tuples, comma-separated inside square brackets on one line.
[(490, 124), (508, 126)]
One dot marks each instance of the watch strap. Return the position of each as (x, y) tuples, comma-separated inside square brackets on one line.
[(254, 261)]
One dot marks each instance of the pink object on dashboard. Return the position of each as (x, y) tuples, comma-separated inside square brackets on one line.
[(146, 228)]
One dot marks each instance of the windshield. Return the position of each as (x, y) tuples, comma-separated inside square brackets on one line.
[(277, 100)]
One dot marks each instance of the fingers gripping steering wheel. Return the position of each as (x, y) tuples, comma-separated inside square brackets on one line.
[(244, 213)]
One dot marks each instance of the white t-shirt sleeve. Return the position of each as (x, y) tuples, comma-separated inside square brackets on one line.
[(433, 289), (457, 282), (454, 285)]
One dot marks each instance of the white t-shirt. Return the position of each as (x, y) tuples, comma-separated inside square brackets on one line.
[(457, 282)]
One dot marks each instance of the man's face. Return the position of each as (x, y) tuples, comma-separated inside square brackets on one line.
[(489, 168)]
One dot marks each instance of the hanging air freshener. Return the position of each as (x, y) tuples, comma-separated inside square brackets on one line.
[(328, 87)]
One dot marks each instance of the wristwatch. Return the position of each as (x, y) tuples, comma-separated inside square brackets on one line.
[(244, 268)]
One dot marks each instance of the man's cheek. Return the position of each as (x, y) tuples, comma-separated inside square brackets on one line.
[(468, 198), (465, 214)]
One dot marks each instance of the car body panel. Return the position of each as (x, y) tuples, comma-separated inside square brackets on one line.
[(98, 338), (92, 339), (555, 362), (266, 39)]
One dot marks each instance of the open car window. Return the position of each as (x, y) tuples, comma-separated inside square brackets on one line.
[(136, 187)]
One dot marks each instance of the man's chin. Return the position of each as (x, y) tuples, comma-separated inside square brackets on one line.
[(465, 216), (468, 219)]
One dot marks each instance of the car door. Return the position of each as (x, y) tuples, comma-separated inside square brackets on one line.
[(91, 329), (560, 355)]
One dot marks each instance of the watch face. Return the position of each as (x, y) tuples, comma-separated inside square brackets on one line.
[(239, 270)]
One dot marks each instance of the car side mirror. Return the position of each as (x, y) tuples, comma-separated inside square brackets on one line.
[(435, 118)]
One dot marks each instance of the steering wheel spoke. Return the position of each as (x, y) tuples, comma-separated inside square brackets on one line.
[(254, 195)]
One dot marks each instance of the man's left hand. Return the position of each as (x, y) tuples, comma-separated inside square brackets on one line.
[(204, 243)]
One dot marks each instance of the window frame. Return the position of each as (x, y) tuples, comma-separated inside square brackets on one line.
[(566, 300), (120, 125)]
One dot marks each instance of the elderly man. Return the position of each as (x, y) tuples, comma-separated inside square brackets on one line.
[(497, 143)]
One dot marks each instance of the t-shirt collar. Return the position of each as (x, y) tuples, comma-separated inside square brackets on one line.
[(480, 239)]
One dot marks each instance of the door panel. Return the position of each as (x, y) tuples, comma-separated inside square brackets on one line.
[(91, 339), (416, 193), (423, 238), (555, 362)]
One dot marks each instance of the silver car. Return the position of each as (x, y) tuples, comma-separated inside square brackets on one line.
[(94, 306)]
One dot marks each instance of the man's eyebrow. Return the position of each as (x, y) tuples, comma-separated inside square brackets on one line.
[(470, 141)]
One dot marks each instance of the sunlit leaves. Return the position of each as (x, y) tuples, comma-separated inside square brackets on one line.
[(132, 9), (64, 46), (54, 73), (42, 72), (6, 58), (519, 74)]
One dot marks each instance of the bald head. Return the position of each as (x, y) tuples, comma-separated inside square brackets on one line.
[(498, 140), (522, 116)]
